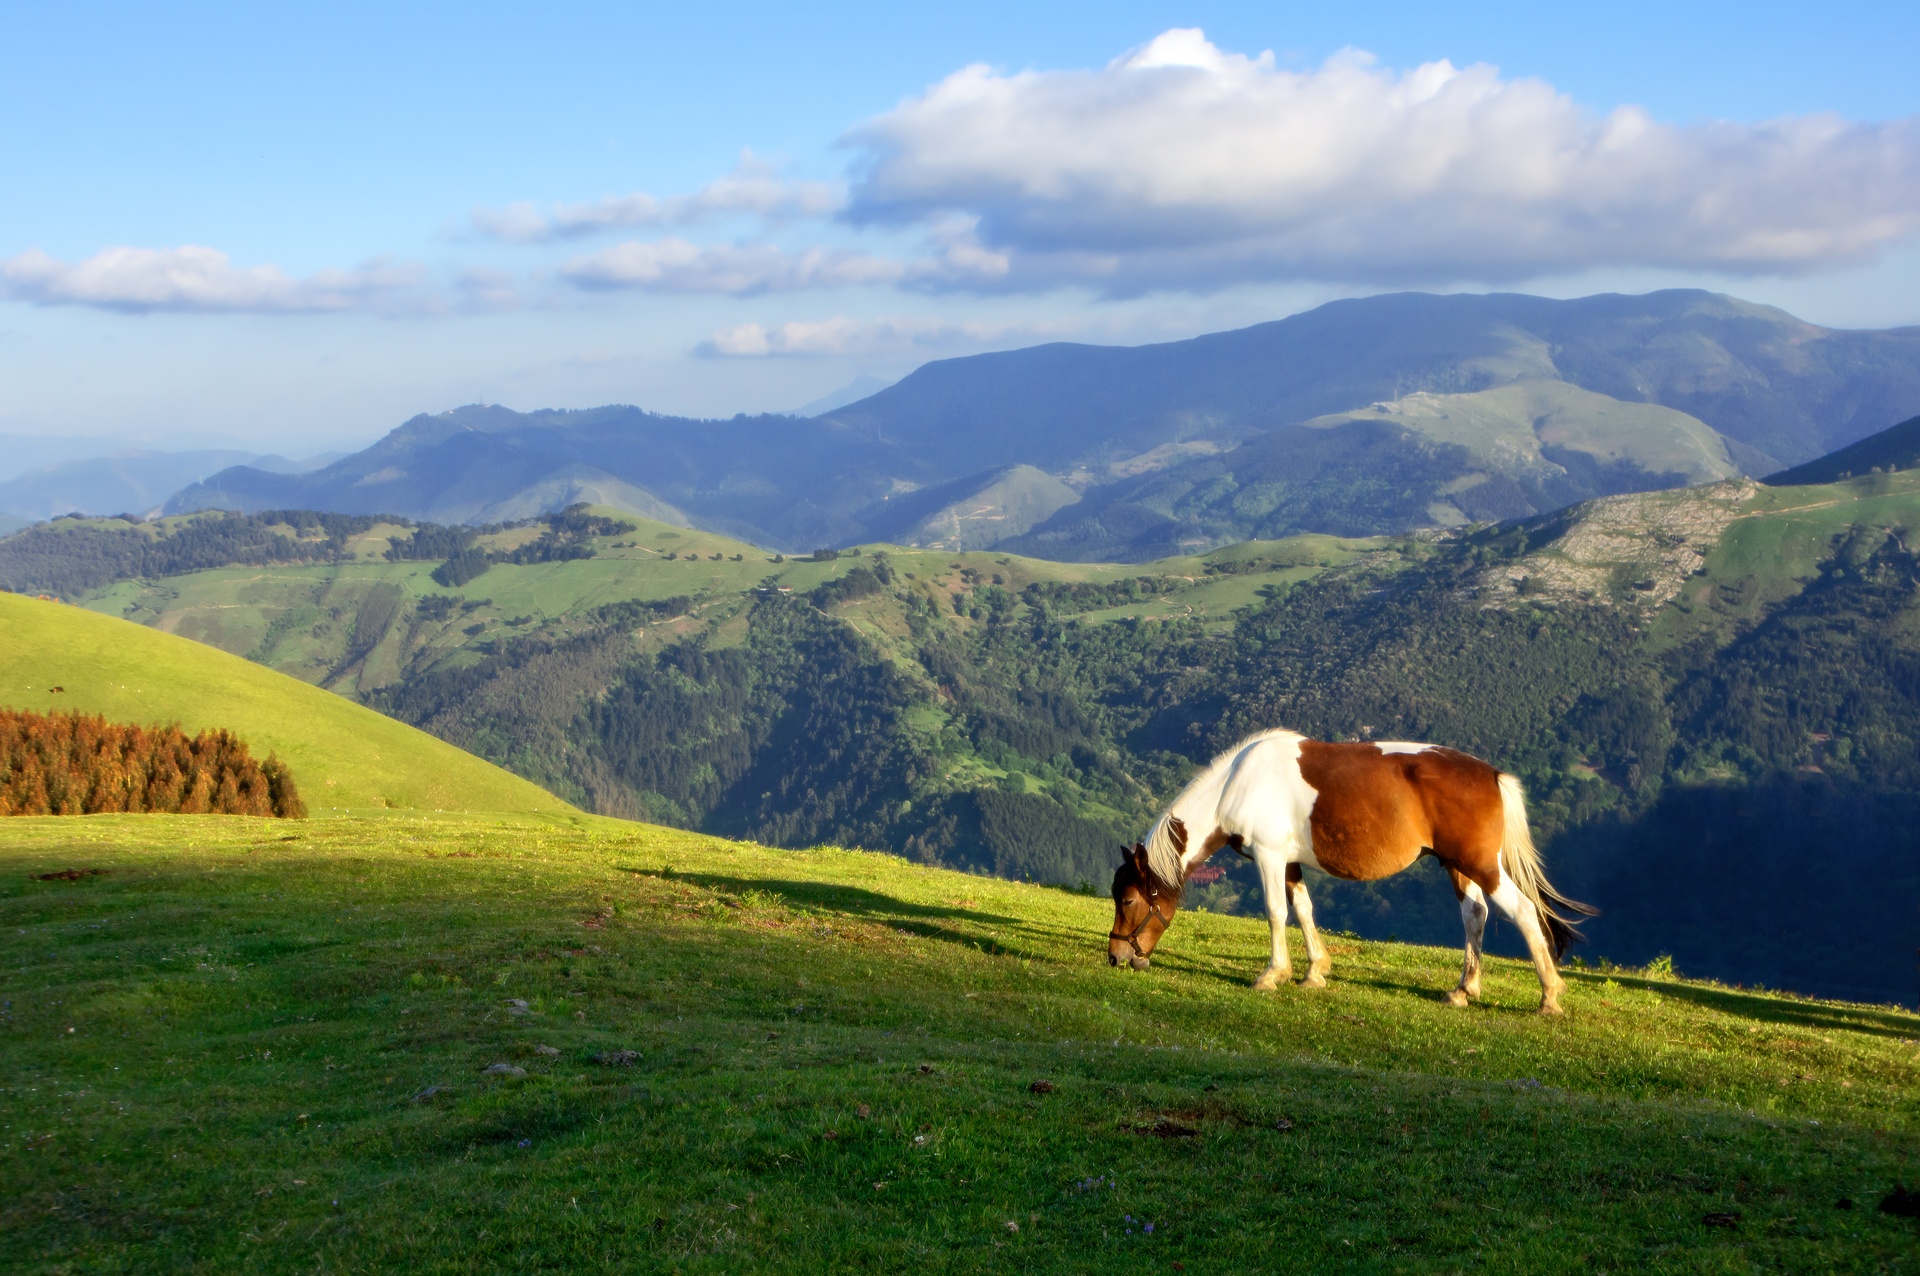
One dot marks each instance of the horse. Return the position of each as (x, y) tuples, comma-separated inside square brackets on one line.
[(1359, 811)]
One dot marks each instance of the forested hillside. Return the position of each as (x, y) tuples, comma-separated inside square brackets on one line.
[(1713, 695)]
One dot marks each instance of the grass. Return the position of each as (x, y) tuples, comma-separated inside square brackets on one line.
[(343, 757), (250, 1045)]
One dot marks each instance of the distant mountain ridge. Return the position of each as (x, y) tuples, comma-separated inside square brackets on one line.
[(1895, 448), (129, 480), (1371, 415)]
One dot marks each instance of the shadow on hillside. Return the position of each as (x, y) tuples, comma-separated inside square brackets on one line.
[(856, 903), (1765, 1008)]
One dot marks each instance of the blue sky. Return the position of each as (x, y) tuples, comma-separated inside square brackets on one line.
[(712, 209)]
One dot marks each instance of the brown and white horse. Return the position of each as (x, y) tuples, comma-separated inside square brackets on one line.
[(1357, 811)]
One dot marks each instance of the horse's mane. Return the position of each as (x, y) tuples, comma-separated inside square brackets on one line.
[(1167, 843)]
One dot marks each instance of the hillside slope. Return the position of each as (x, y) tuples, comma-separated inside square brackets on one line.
[(1183, 446), (342, 755), (1895, 448), (431, 1045)]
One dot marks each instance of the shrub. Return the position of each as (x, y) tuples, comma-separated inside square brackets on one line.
[(81, 764)]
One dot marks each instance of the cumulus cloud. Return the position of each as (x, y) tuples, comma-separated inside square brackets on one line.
[(193, 278), (842, 335), (1181, 165), (752, 188)]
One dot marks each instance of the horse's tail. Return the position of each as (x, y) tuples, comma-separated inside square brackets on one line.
[(1521, 861)]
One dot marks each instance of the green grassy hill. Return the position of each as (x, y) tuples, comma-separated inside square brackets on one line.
[(423, 1043), (342, 755)]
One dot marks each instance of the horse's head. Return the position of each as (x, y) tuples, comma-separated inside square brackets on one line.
[(1143, 908)]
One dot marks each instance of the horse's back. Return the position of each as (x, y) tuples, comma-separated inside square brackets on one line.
[(1378, 807)]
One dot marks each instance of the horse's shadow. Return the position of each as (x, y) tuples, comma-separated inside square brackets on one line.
[(927, 921), (1885, 1021)]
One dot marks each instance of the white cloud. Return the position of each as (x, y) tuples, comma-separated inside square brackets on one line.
[(192, 278), (752, 188), (675, 265), (1180, 165), (842, 335)]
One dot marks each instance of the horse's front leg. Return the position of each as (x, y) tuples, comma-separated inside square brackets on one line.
[(1273, 885), (1473, 914), (1318, 963)]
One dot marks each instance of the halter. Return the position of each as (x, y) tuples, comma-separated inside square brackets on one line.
[(1153, 911)]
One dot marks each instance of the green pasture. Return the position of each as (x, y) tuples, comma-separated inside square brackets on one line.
[(245, 1045), (343, 757)]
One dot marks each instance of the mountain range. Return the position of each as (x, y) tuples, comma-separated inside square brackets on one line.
[(135, 480), (1366, 416)]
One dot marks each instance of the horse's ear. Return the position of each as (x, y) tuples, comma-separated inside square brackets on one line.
[(1139, 856)]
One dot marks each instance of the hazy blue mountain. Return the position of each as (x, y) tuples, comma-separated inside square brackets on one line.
[(852, 392), (1896, 448), (125, 482), (1370, 415)]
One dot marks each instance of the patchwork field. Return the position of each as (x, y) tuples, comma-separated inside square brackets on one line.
[(460, 1043)]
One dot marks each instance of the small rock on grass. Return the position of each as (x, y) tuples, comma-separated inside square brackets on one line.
[(427, 1095), (617, 1058), (518, 1006), (503, 1070), (1041, 1087), (546, 1052), (1721, 1219)]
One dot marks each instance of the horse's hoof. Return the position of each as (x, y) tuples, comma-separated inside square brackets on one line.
[(1456, 997), (1269, 982), (1314, 980), (1551, 1008)]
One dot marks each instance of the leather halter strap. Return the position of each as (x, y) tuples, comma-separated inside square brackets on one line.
[(1153, 911)]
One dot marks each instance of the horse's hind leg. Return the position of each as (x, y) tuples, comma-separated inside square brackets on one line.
[(1317, 960), (1273, 885), (1473, 914), (1508, 899)]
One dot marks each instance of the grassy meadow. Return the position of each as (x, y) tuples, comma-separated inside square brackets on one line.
[(514, 1043)]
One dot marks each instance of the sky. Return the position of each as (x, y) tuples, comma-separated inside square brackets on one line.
[(291, 227)]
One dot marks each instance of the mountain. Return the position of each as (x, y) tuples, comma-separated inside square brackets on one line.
[(131, 481), (1895, 448), (56, 657), (852, 392), (1369, 416)]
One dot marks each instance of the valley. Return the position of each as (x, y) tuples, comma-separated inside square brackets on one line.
[(1695, 684)]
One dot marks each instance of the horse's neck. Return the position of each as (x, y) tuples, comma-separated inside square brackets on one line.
[(1198, 809)]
